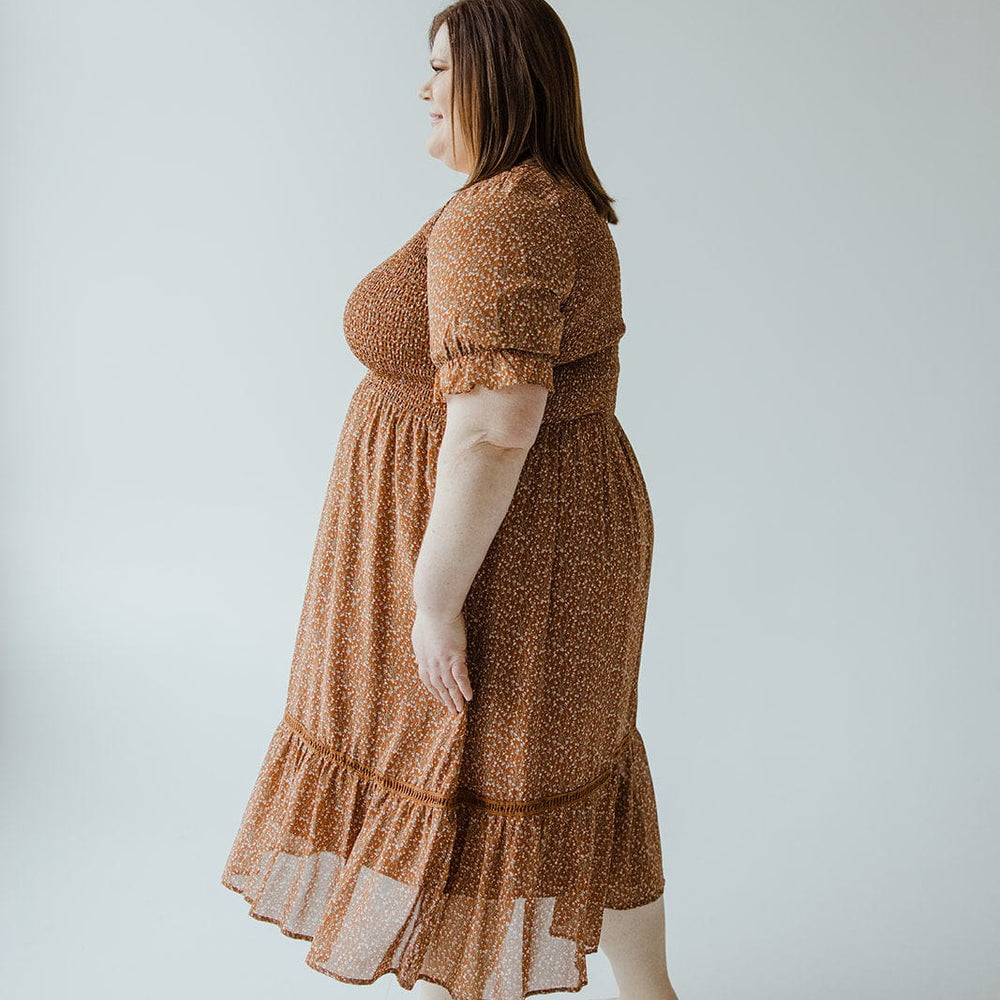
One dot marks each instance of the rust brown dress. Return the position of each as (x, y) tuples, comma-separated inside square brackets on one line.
[(476, 849)]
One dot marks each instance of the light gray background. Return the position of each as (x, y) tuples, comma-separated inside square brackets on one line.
[(809, 246)]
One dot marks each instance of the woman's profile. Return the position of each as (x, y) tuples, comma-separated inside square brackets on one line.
[(456, 792)]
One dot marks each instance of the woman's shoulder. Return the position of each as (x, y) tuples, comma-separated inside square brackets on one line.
[(525, 195)]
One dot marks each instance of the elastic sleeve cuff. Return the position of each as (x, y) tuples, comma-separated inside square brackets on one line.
[(493, 369)]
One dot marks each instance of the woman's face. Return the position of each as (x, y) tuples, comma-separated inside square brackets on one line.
[(437, 92)]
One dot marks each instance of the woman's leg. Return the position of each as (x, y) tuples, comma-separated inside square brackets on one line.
[(635, 943), (431, 991)]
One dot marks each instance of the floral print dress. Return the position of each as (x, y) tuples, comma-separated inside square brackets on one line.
[(478, 849)]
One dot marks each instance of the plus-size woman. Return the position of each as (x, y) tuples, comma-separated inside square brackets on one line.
[(457, 792)]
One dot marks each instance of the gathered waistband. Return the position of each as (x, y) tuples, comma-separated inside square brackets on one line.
[(588, 385)]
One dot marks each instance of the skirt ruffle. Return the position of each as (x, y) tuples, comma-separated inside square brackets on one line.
[(492, 900)]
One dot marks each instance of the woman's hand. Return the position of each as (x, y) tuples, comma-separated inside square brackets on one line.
[(439, 644)]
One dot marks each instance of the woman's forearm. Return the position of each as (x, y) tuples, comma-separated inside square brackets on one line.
[(474, 487)]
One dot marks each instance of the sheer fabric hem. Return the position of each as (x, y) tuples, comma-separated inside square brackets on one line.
[(489, 903)]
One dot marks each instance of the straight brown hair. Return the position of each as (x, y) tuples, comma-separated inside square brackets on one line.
[(516, 91)]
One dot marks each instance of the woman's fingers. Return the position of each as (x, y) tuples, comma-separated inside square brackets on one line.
[(455, 700), (424, 676), (432, 681), (442, 691), (439, 644), (451, 696), (460, 672), (443, 686), (457, 682)]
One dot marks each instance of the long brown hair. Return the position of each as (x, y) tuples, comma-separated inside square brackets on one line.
[(516, 91)]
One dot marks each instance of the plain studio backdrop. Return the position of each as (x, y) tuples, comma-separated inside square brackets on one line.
[(809, 245)]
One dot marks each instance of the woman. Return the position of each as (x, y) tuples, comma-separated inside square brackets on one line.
[(457, 792)]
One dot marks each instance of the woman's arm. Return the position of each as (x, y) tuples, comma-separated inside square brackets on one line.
[(500, 265), (488, 433)]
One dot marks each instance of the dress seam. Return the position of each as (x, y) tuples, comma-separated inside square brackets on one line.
[(463, 796)]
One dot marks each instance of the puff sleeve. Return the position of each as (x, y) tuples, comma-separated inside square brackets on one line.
[(499, 266)]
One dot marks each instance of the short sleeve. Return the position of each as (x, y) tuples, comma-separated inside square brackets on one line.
[(500, 264)]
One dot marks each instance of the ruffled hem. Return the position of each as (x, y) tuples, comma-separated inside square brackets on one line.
[(492, 368), (481, 897)]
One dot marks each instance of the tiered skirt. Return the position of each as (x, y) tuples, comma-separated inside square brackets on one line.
[(475, 850)]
